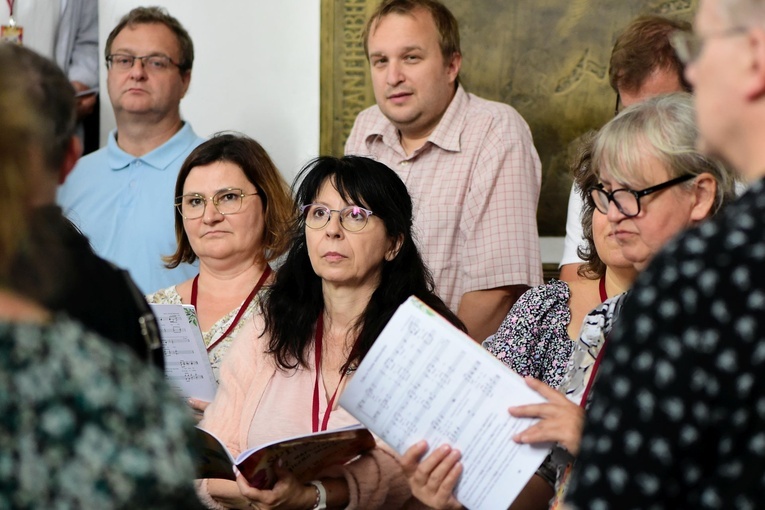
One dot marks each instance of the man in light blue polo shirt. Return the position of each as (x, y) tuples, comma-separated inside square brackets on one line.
[(122, 195)]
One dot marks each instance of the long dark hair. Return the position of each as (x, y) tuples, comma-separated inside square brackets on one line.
[(294, 302)]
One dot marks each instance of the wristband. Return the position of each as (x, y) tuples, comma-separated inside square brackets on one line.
[(321, 495)]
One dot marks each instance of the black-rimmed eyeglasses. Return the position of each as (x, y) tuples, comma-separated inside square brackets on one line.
[(152, 63), (627, 200)]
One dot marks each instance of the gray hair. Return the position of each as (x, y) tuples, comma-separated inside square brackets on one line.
[(665, 128)]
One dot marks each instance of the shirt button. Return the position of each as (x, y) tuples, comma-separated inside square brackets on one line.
[(132, 184), (404, 163)]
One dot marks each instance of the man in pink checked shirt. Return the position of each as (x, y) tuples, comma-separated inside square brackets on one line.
[(469, 164)]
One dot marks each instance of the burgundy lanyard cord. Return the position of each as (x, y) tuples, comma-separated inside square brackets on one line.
[(602, 288), (242, 309), (596, 365), (10, 6), (591, 380), (317, 357)]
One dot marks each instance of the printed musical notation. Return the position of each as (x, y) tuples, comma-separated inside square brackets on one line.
[(187, 367), (424, 379)]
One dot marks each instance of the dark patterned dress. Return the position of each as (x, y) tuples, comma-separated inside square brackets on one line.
[(533, 340), (85, 425)]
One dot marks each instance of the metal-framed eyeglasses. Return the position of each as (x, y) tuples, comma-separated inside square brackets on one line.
[(627, 200), (226, 201), (688, 45), (152, 63), (352, 218)]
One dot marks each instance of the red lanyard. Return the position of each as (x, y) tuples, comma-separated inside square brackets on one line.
[(594, 371), (317, 356), (261, 281), (602, 288), (596, 365), (10, 6)]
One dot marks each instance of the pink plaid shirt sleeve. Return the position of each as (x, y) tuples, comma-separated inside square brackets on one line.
[(475, 187)]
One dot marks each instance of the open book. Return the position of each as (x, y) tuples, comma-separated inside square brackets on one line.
[(187, 367), (425, 379), (304, 456)]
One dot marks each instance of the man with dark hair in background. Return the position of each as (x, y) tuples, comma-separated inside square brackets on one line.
[(58, 268), (121, 196), (643, 65)]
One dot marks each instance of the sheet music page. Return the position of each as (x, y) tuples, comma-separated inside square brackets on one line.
[(187, 367), (425, 379)]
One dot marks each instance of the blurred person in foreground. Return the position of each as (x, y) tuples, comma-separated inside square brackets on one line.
[(84, 423), (57, 267)]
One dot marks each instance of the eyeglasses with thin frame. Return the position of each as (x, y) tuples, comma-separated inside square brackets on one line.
[(352, 218), (152, 63), (627, 200), (226, 201), (688, 45)]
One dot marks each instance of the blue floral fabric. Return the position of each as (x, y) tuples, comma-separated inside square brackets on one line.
[(84, 425)]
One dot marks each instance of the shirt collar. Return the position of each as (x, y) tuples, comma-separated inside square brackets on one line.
[(159, 159)]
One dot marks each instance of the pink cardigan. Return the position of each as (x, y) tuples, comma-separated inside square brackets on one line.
[(375, 480)]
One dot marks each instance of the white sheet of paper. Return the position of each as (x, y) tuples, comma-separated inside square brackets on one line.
[(425, 379), (187, 367)]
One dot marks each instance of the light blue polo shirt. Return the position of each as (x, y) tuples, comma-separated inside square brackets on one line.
[(124, 205)]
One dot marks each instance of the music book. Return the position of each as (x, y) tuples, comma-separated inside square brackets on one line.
[(304, 456), (187, 367), (425, 379)]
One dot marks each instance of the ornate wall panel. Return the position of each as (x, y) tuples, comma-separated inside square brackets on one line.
[(546, 58)]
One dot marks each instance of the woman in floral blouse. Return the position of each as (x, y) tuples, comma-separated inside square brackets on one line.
[(536, 338), (232, 209)]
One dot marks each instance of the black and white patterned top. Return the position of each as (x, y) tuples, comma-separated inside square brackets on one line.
[(677, 418)]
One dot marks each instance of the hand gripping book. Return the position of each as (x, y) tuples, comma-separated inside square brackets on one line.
[(304, 456)]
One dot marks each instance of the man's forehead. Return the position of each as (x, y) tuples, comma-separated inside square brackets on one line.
[(403, 49), (158, 34), (419, 15)]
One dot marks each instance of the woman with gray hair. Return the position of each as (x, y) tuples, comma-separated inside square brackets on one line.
[(653, 183)]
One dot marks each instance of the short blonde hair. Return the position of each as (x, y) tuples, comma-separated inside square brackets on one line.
[(664, 127)]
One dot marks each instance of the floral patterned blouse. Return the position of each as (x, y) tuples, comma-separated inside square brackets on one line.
[(533, 339), (85, 424), (170, 296)]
